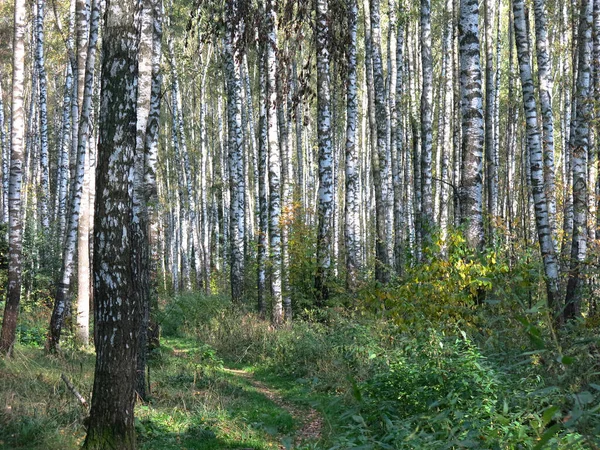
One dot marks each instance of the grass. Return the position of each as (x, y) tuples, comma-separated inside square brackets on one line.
[(196, 403)]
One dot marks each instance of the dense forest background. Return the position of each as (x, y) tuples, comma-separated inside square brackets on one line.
[(383, 213)]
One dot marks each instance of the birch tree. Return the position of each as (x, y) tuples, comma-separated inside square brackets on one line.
[(15, 223), (62, 299), (545, 90), (117, 309), (236, 149), (325, 193), (85, 223), (43, 105), (263, 201), (274, 157), (381, 167), (471, 188), (351, 216), (426, 217), (579, 152), (5, 159), (535, 158)]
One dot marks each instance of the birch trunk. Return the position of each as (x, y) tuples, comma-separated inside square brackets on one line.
[(579, 151), (263, 205), (274, 168), (15, 224), (325, 193), (62, 299), (398, 154), (117, 309), (62, 178), (535, 159), (471, 188), (351, 217), (43, 107), (426, 222), (236, 152), (144, 181), (4, 154), (381, 166), (546, 87), (85, 127), (490, 101)]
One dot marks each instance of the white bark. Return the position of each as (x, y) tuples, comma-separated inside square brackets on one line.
[(535, 158), (351, 229), (471, 189), (325, 192), (579, 152), (15, 224), (546, 87), (274, 168), (43, 105), (236, 151)]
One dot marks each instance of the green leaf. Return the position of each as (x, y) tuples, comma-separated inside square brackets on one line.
[(567, 360), (548, 415), (548, 434)]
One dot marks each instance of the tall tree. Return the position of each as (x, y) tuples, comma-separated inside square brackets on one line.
[(325, 193), (43, 106), (579, 152), (15, 222), (85, 223), (274, 157), (117, 309), (546, 86), (263, 203), (351, 230), (235, 146), (63, 299), (490, 129), (471, 188), (535, 158), (144, 232), (426, 218), (5, 159)]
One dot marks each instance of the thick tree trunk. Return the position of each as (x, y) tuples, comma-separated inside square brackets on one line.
[(117, 309)]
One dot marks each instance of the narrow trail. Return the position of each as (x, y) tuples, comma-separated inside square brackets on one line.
[(312, 422)]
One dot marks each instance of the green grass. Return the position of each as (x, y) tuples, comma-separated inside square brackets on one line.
[(38, 411), (195, 402)]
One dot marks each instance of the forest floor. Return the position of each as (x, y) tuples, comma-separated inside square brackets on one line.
[(231, 381), (197, 401)]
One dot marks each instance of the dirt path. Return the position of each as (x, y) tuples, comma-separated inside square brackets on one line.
[(312, 422)]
